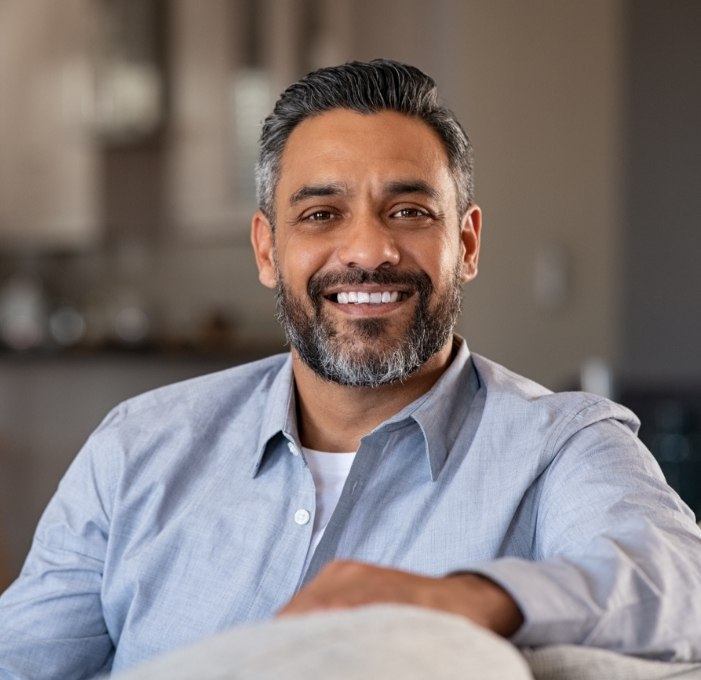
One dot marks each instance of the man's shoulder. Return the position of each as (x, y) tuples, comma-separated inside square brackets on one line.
[(497, 378), (223, 391), (509, 393)]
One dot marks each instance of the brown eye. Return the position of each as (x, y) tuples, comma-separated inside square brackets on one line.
[(319, 216), (410, 213)]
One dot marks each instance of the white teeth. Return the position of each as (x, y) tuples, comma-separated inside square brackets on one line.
[(361, 297)]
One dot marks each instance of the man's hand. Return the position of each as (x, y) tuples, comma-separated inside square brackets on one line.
[(345, 584)]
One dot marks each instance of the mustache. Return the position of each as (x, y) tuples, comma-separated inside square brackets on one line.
[(413, 280)]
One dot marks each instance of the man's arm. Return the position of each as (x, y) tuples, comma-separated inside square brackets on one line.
[(617, 553), (344, 584), (51, 620)]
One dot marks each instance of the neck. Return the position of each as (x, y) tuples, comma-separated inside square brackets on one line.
[(334, 417)]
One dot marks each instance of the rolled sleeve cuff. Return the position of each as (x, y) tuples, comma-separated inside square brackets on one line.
[(552, 599)]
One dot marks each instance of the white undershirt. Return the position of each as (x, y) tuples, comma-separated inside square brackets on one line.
[(329, 471)]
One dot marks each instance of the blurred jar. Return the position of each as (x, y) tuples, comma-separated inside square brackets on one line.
[(23, 313), (67, 325)]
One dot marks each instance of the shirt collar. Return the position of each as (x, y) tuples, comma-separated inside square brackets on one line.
[(440, 413), (280, 413)]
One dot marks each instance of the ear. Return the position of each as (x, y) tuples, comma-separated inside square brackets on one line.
[(263, 246), (470, 231)]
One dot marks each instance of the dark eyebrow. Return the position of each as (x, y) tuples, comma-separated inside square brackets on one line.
[(396, 188), (317, 190), (418, 186)]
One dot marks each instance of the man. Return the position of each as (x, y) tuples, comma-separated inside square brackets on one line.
[(378, 462)]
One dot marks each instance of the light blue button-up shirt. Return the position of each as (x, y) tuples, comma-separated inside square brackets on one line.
[(181, 517)]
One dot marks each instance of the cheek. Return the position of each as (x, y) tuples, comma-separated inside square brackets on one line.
[(439, 260), (299, 260)]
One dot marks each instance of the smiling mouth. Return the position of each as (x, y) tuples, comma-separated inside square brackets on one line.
[(361, 297)]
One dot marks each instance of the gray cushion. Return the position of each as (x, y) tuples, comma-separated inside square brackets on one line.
[(570, 662)]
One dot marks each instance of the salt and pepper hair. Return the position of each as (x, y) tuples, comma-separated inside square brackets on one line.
[(380, 85)]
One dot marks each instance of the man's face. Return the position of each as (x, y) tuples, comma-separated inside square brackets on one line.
[(368, 253)]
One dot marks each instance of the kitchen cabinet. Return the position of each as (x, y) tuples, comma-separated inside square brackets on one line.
[(49, 165)]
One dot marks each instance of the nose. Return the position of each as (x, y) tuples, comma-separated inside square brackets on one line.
[(368, 243)]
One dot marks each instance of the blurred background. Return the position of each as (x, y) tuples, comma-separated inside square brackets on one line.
[(128, 133)]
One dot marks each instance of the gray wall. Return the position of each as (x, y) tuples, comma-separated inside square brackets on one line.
[(662, 229)]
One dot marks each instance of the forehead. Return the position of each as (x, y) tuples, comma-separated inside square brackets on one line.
[(353, 148)]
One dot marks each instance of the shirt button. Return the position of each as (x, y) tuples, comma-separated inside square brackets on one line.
[(302, 516), (293, 449)]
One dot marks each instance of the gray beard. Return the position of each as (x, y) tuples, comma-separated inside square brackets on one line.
[(316, 341)]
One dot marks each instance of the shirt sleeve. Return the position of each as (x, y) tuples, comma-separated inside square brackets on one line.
[(51, 619), (618, 554)]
